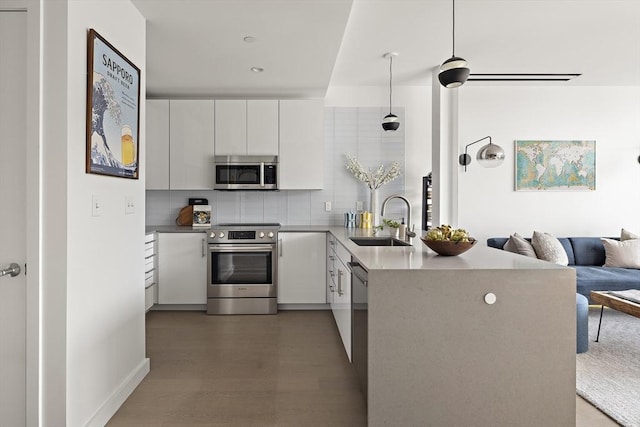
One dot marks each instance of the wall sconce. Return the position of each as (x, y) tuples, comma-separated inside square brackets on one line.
[(489, 156)]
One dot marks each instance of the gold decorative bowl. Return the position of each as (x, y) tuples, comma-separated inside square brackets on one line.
[(447, 247)]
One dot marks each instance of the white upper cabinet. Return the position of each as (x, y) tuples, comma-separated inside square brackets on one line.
[(262, 128), (246, 127), (191, 149), (231, 127), (157, 145), (301, 160)]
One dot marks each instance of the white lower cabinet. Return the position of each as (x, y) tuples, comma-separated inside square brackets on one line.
[(301, 268), (339, 289), (182, 268), (150, 286)]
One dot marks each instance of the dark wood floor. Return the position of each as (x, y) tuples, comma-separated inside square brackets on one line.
[(284, 370)]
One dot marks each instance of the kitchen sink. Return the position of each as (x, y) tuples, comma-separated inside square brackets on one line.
[(378, 241)]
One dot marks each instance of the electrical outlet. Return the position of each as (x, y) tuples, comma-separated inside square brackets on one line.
[(359, 206), (327, 206), (129, 205), (96, 205)]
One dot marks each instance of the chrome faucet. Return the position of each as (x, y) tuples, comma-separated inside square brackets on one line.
[(410, 233)]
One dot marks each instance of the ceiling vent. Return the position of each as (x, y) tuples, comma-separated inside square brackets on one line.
[(516, 77)]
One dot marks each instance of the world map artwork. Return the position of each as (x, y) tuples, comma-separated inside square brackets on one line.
[(555, 165)]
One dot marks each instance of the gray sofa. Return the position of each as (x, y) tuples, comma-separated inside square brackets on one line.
[(587, 256)]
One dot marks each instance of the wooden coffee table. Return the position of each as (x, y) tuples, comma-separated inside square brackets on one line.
[(617, 303)]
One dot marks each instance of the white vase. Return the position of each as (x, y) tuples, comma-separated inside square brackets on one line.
[(373, 207)]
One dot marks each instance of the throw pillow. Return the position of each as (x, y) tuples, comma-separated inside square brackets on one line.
[(549, 248), (517, 244), (627, 235), (625, 254)]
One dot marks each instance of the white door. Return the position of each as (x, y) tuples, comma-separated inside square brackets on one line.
[(13, 70)]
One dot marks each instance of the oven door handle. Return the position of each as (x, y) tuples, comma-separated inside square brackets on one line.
[(242, 249), (261, 174)]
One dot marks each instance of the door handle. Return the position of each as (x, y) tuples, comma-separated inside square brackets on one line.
[(340, 273), (280, 247), (13, 270), (261, 174), (204, 248)]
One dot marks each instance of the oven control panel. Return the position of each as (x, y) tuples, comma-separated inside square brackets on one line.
[(242, 236)]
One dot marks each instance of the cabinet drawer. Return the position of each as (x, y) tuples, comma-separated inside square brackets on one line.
[(342, 253), (149, 237), (149, 279), (148, 251), (149, 263), (149, 297)]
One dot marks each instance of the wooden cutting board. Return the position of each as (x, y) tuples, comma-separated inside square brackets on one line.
[(185, 217)]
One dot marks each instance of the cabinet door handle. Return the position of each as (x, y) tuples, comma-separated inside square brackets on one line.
[(204, 248), (280, 247), (340, 273)]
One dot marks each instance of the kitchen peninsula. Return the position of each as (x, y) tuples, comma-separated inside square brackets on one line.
[(441, 351), (439, 354)]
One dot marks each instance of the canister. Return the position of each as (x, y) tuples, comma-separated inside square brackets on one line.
[(350, 219), (366, 219)]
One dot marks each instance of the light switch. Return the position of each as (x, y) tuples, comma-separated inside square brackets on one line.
[(327, 206), (129, 205), (359, 206), (96, 205)]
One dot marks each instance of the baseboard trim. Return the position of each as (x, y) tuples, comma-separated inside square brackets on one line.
[(304, 307), (119, 395)]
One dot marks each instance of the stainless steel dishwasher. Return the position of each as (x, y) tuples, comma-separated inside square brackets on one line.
[(359, 314)]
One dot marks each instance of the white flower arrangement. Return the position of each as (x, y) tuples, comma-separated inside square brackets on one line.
[(374, 179)]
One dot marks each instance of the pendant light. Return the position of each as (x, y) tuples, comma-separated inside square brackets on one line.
[(453, 71), (390, 121)]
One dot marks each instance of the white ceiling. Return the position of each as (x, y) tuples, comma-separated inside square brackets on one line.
[(195, 47)]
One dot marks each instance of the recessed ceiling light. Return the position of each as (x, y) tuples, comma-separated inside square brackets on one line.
[(249, 39), (257, 69)]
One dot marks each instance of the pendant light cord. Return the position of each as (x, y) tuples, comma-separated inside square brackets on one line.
[(453, 32), (390, 79)]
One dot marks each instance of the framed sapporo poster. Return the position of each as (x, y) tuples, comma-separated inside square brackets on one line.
[(113, 110)]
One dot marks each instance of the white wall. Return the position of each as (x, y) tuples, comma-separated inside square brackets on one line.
[(105, 353), (416, 101), (488, 204)]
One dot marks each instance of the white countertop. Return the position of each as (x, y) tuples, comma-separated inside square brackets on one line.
[(420, 257), (415, 257)]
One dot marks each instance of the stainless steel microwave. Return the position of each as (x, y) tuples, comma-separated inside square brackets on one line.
[(246, 173)]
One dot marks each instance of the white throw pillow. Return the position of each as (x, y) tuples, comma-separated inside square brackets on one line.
[(625, 254), (519, 245), (627, 235), (549, 248)]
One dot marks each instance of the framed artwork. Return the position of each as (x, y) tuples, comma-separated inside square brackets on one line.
[(113, 111), (555, 165)]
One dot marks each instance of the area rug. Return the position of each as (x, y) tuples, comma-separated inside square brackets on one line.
[(608, 375)]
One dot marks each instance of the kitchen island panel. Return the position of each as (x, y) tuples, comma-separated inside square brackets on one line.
[(440, 355)]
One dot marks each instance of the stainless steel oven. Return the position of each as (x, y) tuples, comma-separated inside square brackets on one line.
[(242, 269)]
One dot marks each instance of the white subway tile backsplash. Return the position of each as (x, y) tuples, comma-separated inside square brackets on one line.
[(347, 130), (299, 207), (252, 206)]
